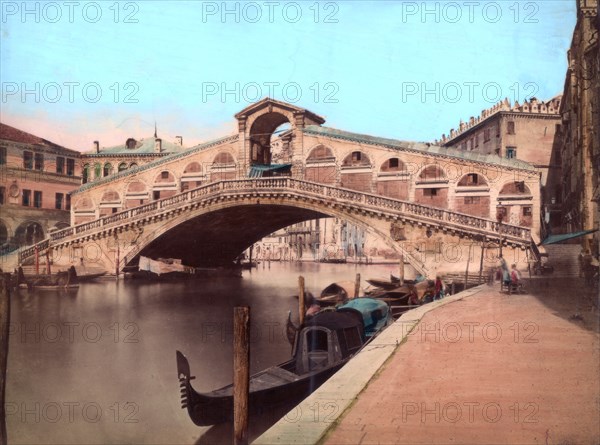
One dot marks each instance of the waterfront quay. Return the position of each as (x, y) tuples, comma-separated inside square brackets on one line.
[(481, 366)]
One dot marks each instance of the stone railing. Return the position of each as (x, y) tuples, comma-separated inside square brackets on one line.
[(268, 186)]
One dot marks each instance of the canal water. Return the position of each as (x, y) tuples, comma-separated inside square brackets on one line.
[(97, 365)]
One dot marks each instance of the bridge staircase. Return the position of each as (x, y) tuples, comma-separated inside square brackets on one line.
[(564, 258)]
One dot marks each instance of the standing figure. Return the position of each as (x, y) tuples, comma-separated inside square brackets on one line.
[(439, 288)]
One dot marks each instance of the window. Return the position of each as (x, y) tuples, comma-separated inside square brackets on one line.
[(430, 192), (60, 165), (68, 202), (486, 135), (498, 130), (85, 172), (394, 163), (70, 167), (472, 179), (28, 160), (97, 170), (107, 169), (2, 155), (59, 201), (26, 198), (122, 166), (511, 152), (356, 156), (2, 194), (164, 175), (133, 165), (37, 199), (156, 194), (527, 211), (476, 140), (510, 127), (472, 199), (39, 161)]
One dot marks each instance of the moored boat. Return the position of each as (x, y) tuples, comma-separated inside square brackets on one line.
[(322, 345)]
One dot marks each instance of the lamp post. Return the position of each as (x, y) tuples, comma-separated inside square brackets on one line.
[(500, 218)]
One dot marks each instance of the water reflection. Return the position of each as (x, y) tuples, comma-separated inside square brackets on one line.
[(98, 365)]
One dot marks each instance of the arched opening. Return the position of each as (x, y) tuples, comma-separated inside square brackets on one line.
[(84, 211), (122, 166), (28, 233), (432, 187), (3, 233), (393, 179), (107, 169), (262, 137), (472, 195), (515, 203), (97, 170), (356, 172), (320, 165), (223, 167), (192, 176), (136, 194), (85, 174), (133, 165), (110, 203), (164, 185)]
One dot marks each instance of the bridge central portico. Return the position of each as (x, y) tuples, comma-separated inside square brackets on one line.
[(200, 204)]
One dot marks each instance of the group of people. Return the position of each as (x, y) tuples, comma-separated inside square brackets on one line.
[(510, 277)]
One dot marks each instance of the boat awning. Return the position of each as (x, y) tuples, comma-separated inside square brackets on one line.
[(555, 239), (258, 171)]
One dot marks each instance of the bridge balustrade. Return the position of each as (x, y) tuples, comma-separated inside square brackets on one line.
[(374, 202)]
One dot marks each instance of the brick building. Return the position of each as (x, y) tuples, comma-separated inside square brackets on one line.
[(579, 136), (521, 131), (107, 161), (37, 179)]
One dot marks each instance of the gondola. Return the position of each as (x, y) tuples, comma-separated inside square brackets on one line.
[(323, 344)]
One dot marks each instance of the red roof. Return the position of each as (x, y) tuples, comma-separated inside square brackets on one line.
[(13, 134)]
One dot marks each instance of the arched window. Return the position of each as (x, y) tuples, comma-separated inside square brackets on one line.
[(356, 158), (85, 174), (393, 165), (97, 170), (432, 173), (122, 166), (107, 169), (133, 165)]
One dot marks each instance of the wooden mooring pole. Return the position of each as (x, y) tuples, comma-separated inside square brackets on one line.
[(481, 260), (301, 307), (357, 286), (401, 270), (467, 270), (241, 374), (4, 330)]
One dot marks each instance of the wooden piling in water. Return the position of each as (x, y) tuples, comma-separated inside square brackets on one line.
[(357, 286), (241, 374), (4, 330), (401, 270), (301, 307)]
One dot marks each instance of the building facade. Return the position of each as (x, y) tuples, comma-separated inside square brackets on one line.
[(579, 137), (37, 179), (521, 131)]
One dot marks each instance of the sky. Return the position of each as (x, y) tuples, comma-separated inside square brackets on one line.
[(75, 72)]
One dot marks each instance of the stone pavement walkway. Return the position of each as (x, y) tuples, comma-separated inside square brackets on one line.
[(480, 367)]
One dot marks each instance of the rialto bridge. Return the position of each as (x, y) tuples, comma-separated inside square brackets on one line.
[(209, 203)]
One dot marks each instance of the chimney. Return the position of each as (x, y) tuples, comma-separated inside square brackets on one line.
[(96, 147), (157, 145), (179, 141)]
